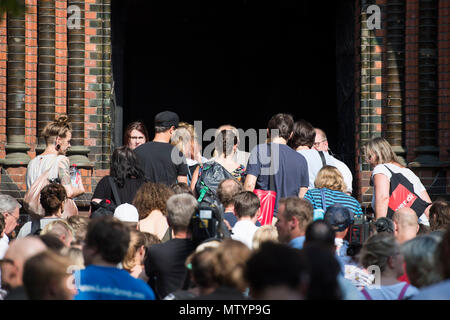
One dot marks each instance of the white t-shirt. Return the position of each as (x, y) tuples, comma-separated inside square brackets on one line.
[(244, 231), (381, 169), (314, 161), (391, 292), (4, 245), (39, 164), (26, 228)]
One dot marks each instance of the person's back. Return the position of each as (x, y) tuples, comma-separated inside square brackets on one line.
[(290, 174), (164, 264), (288, 168), (106, 245), (161, 161)]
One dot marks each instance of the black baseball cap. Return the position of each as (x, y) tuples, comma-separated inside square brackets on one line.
[(167, 119), (338, 216)]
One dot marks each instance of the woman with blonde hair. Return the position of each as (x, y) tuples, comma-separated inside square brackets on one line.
[(382, 252), (186, 140), (380, 156), (150, 201), (330, 187), (57, 135)]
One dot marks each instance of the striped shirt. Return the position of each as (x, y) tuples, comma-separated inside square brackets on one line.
[(333, 197)]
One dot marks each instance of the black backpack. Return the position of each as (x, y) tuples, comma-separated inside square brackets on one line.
[(106, 207), (401, 194), (210, 176)]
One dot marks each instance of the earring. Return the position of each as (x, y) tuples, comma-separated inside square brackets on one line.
[(58, 147)]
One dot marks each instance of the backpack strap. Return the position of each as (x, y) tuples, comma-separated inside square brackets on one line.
[(115, 191), (35, 227), (366, 294), (402, 293), (322, 156), (324, 202)]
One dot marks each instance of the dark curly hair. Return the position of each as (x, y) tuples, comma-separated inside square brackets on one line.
[(52, 198), (152, 196), (124, 165)]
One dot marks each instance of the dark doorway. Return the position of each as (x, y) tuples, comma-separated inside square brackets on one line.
[(236, 62)]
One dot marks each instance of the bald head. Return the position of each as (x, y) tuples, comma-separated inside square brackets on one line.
[(226, 191), (406, 224), (19, 251), (320, 142)]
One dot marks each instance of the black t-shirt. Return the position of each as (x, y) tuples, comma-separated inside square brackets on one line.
[(164, 265), (126, 194), (161, 162)]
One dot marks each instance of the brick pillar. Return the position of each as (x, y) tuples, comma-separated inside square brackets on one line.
[(46, 68), (428, 151), (370, 97), (16, 148), (394, 59), (75, 86)]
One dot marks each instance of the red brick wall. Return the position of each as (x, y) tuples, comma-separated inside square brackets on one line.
[(31, 63), (411, 100), (3, 57)]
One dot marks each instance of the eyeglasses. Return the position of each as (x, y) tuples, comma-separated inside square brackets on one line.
[(319, 142)]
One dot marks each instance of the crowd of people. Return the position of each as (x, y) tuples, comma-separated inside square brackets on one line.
[(277, 222)]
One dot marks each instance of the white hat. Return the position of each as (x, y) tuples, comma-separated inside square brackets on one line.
[(126, 213)]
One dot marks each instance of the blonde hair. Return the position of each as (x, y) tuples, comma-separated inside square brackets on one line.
[(58, 228), (58, 128), (264, 233), (137, 240), (75, 256), (183, 138), (381, 150), (229, 264), (330, 177), (377, 250)]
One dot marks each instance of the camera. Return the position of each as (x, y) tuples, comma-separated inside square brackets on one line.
[(359, 231), (206, 223)]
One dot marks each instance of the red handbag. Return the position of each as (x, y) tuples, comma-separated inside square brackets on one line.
[(267, 198)]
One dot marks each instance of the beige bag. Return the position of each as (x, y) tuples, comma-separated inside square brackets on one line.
[(31, 199)]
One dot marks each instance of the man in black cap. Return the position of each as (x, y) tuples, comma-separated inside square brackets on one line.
[(161, 161)]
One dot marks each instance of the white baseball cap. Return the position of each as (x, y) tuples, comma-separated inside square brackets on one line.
[(126, 213)]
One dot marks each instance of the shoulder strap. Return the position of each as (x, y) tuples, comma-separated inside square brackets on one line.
[(402, 293), (35, 226), (366, 294), (114, 190), (389, 169), (322, 156), (324, 203), (271, 177)]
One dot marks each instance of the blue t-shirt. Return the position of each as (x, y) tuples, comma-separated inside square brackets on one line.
[(289, 167), (332, 197), (109, 283), (297, 243)]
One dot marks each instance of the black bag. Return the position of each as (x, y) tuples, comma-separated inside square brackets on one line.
[(210, 176), (106, 207), (401, 194), (35, 227)]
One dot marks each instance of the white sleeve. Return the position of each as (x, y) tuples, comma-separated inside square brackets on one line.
[(382, 169)]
